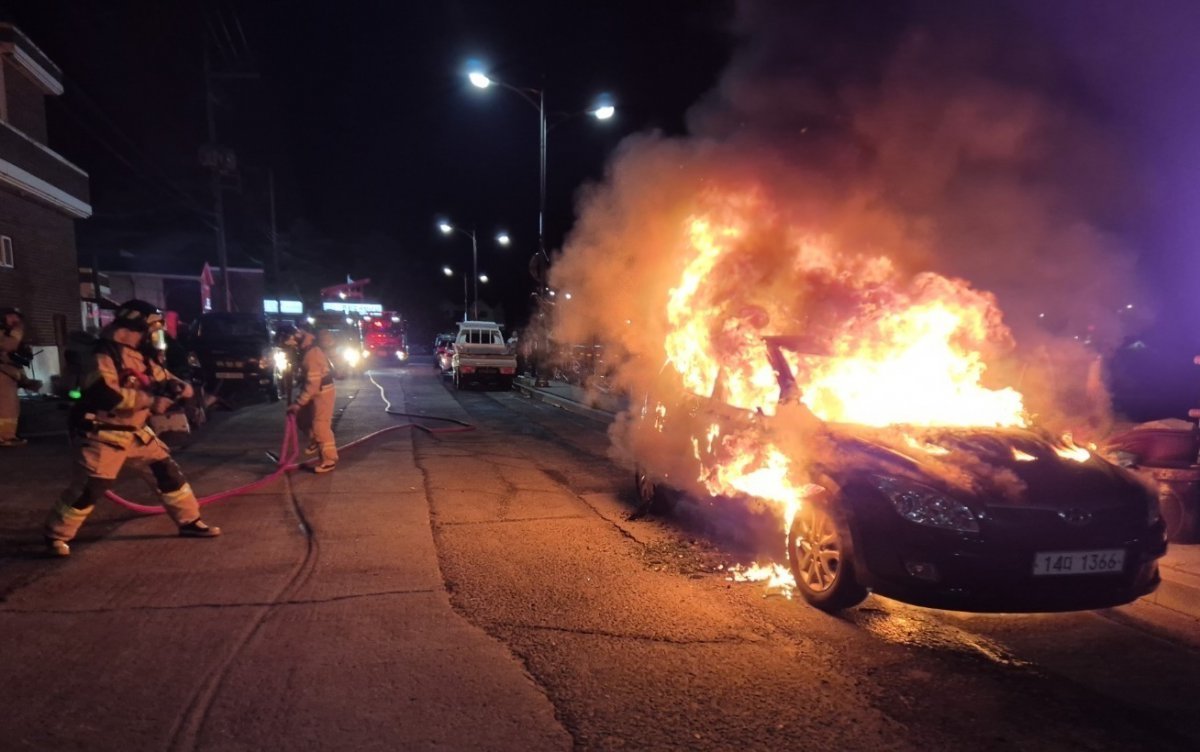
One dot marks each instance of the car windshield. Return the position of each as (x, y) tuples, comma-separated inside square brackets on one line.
[(232, 327)]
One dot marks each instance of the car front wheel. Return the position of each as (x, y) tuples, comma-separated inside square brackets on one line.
[(820, 561)]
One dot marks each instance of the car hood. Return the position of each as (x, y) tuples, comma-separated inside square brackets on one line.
[(990, 467)]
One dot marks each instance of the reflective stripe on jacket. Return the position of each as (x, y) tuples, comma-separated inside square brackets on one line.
[(316, 374)]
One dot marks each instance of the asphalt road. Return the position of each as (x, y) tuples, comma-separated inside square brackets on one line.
[(641, 641), (485, 590)]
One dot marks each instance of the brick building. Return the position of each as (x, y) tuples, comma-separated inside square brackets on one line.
[(41, 196)]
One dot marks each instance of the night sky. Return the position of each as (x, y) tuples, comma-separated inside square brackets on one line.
[(362, 111)]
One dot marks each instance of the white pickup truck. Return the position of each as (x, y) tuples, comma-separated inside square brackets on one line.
[(481, 355)]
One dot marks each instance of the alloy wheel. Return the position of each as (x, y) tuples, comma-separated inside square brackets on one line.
[(818, 549)]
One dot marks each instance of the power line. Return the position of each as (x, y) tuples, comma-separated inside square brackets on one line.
[(150, 181)]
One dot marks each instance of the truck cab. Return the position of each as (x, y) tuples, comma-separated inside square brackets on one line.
[(482, 356)]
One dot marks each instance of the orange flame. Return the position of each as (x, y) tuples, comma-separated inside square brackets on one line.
[(1072, 451), (909, 353)]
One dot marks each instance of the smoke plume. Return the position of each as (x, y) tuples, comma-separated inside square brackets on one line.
[(859, 163)]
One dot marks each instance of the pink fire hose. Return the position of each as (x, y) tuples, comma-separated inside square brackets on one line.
[(289, 453)]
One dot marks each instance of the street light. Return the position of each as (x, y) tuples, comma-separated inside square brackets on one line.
[(501, 238), (449, 272), (537, 97)]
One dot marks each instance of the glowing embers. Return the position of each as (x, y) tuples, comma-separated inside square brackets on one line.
[(1020, 456), (710, 436), (660, 416), (777, 578)]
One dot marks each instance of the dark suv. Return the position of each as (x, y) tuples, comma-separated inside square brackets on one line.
[(235, 348)]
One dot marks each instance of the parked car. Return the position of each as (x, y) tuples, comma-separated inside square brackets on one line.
[(443, 351), (482, 356), (235, 349), (1022, 524)]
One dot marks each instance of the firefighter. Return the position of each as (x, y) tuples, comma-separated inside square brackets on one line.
[(313, 407), (15, 355), (123, 386)]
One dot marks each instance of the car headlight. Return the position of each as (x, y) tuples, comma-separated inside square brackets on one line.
[(926, 506), (401, 355), (350, 355), (281, 360), (366, 353)]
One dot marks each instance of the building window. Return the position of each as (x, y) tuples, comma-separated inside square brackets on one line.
[(6, 252)]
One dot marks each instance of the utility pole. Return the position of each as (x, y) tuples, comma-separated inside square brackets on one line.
[(220, 161), (274, 237), (213, 158)]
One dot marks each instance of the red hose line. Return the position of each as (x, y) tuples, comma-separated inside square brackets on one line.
[(289, 453)]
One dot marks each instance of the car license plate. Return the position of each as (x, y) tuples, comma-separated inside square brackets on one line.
[(230, 375), (486, 369), (1079, 562)]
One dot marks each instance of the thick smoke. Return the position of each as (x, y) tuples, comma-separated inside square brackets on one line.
[(940, 142)]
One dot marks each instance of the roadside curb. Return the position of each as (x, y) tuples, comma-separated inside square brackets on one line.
[(1180, 589), (564, 403)]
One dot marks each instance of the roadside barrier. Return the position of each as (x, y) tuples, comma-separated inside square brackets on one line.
[(289, 453)]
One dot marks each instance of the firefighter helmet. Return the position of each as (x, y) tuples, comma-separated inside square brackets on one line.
[(137, 315)]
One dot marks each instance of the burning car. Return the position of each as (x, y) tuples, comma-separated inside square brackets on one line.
[(995, 519)]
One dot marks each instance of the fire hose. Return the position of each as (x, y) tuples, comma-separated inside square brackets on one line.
[(289, 453)]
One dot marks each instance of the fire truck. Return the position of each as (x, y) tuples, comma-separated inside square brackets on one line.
[(385, 338)]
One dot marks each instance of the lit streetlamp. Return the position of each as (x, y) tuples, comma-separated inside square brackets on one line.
[(604, 110), (449, 272), (501, 238)]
